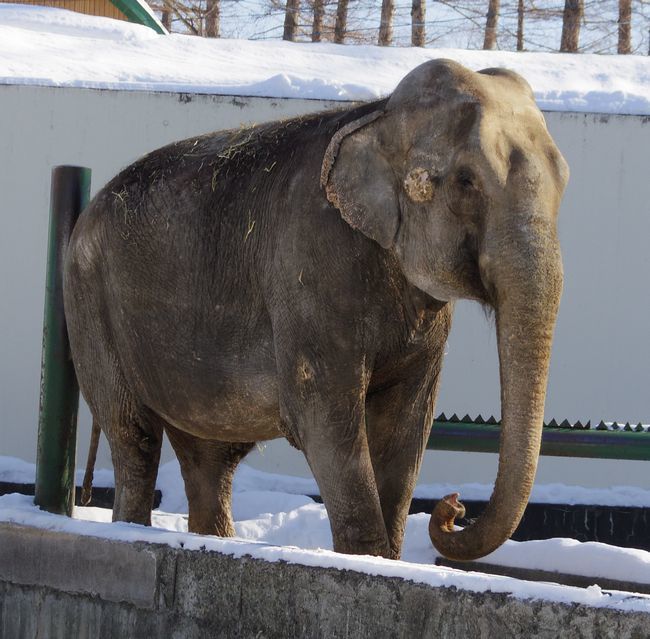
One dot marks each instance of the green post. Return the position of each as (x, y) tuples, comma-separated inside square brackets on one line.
[(59, 398)]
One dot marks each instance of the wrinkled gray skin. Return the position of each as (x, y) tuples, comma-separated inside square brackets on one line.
[(297, 279)]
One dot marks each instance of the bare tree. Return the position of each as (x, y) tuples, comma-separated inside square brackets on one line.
[(418, 15), (598, 26), (386, 23), (291, 20), (166, 18), (212, 15), (520, 25), (490, 40), (317, 24), (341, 24), (573, 12), (624, 26), (191, 17)]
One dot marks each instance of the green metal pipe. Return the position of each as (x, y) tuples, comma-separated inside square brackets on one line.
[(59, 397), (559, 442)]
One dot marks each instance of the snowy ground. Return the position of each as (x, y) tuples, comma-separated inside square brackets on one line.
[(276, 521), (53, 47)]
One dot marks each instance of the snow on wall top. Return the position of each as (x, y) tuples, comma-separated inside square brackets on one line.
[(53, 47)]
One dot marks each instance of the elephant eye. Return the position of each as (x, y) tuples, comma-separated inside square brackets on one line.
[(465, 178)]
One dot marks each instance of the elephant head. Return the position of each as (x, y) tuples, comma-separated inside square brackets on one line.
[(457, 175)]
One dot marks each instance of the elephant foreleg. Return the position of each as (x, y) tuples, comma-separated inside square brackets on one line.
[(322, 405), (343, 470), (208, 468), (398, 427), (135, 439)]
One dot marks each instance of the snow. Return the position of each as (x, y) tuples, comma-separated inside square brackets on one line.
[(247, 479), (18, 471), (274, 524), (52, 47), (547, 494)]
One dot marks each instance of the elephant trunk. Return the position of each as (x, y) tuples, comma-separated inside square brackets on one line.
[(527, 286)]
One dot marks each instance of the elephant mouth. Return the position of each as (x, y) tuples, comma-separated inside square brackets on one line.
[(476, 288)]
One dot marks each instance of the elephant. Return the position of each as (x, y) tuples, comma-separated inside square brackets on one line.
[(297, 279)]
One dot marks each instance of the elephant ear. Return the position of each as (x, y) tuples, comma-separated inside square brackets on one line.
[(359, 181)]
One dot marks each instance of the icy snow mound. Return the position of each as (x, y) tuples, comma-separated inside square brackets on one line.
[(52, 47)]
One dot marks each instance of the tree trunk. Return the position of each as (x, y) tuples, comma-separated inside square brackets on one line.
[(212, 16), (573, 12), (520, 25), (624, 26), (291, 20), (167, 19), (386, 24), (418, 13), (317, 25), (341, 25), (490, 40)]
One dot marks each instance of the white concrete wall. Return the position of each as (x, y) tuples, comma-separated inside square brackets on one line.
[(601, 353), (42, 127)]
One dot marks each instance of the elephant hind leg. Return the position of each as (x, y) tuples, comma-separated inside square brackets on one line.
[(208, 468), (134, 435), (133, 432), (136, 456)]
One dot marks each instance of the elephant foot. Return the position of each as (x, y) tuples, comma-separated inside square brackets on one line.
[(209, 524)]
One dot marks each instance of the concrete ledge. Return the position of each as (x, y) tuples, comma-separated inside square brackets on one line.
[(534, 574), (78, 565), (63, 585)]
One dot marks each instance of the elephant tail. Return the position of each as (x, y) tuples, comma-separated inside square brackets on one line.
[(87, 488)]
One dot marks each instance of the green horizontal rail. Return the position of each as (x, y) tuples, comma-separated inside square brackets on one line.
[(556, 442)]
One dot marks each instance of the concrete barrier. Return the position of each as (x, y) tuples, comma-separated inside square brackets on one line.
[(60, 585)]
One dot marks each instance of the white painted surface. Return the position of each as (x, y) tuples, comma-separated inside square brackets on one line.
[(599, 365), (42, 127)]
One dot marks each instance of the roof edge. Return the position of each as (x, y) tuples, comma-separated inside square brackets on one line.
[(140, 12)]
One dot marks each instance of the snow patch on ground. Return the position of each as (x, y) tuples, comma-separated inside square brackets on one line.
[(53, 47), (248, 479), (18, 471)]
